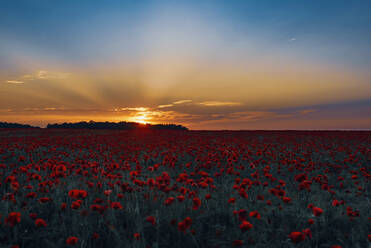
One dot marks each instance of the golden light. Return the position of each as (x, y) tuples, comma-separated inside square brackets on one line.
[(141, 117)]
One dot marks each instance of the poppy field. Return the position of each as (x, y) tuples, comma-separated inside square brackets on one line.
[(174, 188)]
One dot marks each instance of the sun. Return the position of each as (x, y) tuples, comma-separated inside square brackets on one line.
[(141, 118)]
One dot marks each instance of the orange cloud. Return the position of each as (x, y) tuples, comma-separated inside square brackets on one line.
[(14, 82), (219, 103)]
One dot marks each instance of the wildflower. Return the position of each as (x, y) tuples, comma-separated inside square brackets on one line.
[(63, 206), (335, 203), (136, 236), (44, 199), (237, 242), (196, 203), (255, 214), (13, 218), (76, 204), (169, 201), (95, 236), (72, 240), (297, 237), (151, 219), (33, 215), (185, 224), (116, 205), (180, 198), (286, 199), (308, 233), (40, 223), (77, 194), (245, 225), (317, 211), (107, 192)]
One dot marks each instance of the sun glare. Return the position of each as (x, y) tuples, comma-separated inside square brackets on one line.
[(142, 118)]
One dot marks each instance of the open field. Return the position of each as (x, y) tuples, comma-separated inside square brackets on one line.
[(86, 188)]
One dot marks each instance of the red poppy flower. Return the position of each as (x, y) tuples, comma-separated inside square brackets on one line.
[(31, 195), (317, 211), (136, 236), (310, 221), (76, 204), (33, 215), (196, 203), (255, 214), (237, 242), (95, 236), (286, 199), (169, 201), (151, 219), (107, 192), (98, 208), (40, 223), (116, 205), (335, 203), (13, 218), (44, 199), (185, 224), (77, 194), (180, 198), (245, 225), (63, 206), (72, 240), (297, 237), (308, 233)]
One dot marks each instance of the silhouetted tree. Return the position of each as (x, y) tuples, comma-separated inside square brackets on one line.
[(14, 125), (115, 125)]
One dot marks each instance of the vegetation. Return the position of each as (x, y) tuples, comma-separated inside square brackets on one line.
[(165, 188), (115, 125), (14, 125)]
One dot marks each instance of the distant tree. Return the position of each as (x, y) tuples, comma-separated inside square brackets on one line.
[(115, 125), (14, 125)]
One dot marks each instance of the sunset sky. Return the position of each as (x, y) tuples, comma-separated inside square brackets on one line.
[(205, 64)]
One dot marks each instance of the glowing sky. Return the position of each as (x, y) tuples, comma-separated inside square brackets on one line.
[(206, 64)]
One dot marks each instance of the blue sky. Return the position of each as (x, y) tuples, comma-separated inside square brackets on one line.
[(95, 55)]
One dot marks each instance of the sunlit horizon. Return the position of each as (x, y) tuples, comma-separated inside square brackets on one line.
[(205, 65)]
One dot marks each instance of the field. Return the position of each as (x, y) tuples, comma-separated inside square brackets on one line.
[(86, 188)]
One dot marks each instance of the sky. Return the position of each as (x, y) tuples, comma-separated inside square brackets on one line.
[(211, 64)]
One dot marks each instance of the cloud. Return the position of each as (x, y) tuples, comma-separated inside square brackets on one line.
[(14, 82), (174, 103), (165, 106), (292, 39), (43, 74), (219, 103), (139, 109), (182, 101), (6, 110), (306, 111)]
